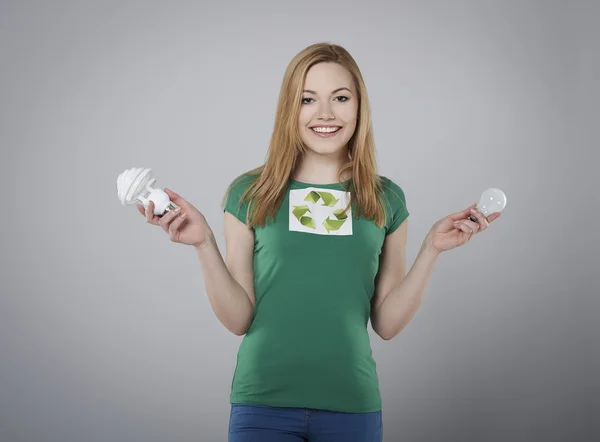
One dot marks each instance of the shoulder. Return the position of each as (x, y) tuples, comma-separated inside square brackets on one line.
[(241, 183), (236, 190), (395, 201), (391, 189), (236, 200), (244, 179)]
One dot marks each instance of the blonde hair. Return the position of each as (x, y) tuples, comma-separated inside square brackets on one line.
[(267, 189)]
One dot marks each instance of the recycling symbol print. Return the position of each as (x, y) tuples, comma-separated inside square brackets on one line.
[(317, 211)]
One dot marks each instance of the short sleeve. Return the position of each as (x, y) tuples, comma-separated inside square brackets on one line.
[(397, 211), (233, 202)]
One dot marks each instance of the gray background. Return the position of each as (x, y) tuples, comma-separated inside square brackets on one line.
[(106, 333)]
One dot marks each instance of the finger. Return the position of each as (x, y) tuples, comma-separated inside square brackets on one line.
[(462, 227), (175, 197), (494, 216), (463, 213), (150, 216), (167, 219), (174, 227), (472, 225), (466, 226), (481, 219)]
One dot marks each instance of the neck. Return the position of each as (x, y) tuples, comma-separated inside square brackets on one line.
[(322, 169)]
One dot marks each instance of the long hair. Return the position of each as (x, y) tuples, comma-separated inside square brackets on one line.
[(266, 190)]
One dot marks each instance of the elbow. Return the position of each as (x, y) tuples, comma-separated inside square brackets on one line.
[(387, 329), (238, 325), (386, 333), (386, 336), (391, 334), (239, 330)]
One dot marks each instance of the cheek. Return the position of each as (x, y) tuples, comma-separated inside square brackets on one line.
[(304, 120), (349, 114), (304, 117), (351, 123)]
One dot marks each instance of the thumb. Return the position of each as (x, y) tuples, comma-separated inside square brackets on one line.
[(175, 197), (463, 213)]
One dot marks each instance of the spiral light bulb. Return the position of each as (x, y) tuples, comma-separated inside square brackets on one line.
[(492, 200), (135, 186)]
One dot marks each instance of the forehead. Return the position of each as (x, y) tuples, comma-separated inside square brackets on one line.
[(324, 77)]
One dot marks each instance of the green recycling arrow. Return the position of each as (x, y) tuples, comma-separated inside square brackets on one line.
[(299, 211), (340, 214), (328, 199), (307, 221), (333, 224)]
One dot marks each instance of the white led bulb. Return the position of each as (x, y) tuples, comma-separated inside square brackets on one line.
[(492, 200), (135, 186)]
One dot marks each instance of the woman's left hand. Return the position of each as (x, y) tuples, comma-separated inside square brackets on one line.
[(457, 229)]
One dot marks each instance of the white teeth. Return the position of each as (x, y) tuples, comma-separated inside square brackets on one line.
[(325, 129)]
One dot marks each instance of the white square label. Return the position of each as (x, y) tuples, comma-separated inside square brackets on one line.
[(320, 211)]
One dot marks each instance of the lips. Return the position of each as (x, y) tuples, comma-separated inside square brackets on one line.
[(326, 134)]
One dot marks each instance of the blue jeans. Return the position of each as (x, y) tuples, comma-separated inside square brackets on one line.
[(260, 423)]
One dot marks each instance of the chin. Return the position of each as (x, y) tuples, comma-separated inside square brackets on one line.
[(324, 149)]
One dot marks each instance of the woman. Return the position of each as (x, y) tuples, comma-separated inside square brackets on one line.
[(315, 249)]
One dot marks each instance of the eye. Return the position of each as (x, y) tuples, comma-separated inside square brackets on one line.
[(342, 99)]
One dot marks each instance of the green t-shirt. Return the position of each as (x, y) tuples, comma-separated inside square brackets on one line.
[(314, 277)]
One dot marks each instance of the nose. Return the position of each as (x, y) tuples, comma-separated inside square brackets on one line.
[(325, 112)]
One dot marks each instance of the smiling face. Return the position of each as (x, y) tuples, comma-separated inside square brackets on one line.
[(329, 103)]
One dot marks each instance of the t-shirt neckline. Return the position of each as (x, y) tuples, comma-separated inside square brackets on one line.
[(295, 183)]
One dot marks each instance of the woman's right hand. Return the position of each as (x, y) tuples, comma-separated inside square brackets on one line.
[(187, 226)]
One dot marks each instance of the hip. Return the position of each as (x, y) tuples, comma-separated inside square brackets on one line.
[(253, 423)]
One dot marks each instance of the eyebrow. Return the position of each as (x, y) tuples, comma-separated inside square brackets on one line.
[(333, 92)]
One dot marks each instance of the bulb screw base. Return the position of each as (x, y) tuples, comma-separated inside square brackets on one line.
[(170, 206)]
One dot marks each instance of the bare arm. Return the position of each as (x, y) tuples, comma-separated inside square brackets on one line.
[(398, 296), (230, 282)]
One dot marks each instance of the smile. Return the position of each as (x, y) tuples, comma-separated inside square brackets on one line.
[(325, 132)]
